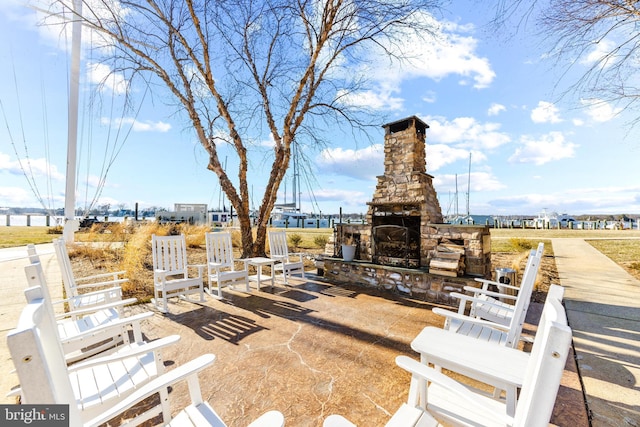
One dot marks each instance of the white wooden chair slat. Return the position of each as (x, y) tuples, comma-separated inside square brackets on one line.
[(492, 310), (499, 366), (199, 413), (528, 281), (89, 387), (221, 268), (112, 291), (287, 263), (453, 403), (98, 329), (171, 272)]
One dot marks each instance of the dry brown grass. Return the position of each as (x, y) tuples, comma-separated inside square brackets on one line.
[(625, 253)]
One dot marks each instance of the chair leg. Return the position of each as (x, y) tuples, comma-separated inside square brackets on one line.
[(219, 289)]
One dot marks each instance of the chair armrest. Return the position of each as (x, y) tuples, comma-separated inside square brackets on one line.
[(493, 282), (114, 275), (160, 276), (200, 268), (430, 375), (468, 298), (95, 308), (492, 294), (118, 323), (189, 371), (480, 322), (126, 352), (116, 289), (99, 284)]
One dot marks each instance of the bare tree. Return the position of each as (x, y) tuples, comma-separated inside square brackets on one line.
[(602, 35), (238, 67)]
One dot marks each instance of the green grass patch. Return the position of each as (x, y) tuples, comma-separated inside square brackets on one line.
[(21, 236)]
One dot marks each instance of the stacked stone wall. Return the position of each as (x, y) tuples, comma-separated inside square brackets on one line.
[(414, 283)]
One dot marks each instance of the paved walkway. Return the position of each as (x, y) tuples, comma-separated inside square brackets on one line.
[(603, 309)]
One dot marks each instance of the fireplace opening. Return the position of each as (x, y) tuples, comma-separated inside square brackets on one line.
[(396, 241)]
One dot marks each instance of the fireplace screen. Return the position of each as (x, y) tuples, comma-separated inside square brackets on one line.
[(396, 245)]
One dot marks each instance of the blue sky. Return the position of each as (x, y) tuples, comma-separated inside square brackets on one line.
[(492, 98)]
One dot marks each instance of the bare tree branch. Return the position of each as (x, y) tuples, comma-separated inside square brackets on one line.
[(238, 67)]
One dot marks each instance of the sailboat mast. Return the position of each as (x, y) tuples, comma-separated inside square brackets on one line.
[(469, 187), (71, 224), (457, 212), (295, 182)]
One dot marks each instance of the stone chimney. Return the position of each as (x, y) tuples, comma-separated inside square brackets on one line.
[(405, 182)]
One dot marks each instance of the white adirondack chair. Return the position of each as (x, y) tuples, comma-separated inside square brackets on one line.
[(106, 286), (435, 398), (198, 414), (170, 271), (502, 304), (221, 269), (288, 263), (87, 332), (89, 387), (496, 332), (497, 366)]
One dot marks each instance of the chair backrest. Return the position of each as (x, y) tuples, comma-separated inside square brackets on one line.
[(546, 365), (38, 357), (62, 255), (36, 278), (32, 253), (170, 254), (219, 249), (278, 244), (524, 297)]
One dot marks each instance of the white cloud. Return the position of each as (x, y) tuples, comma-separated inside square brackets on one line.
[(33, 167), (430, 97), (451, 51), (545, 112), (466, 132), (495, 109), (440, 155), (375, 99), (548, 148), (101, 74), (346, 198), (15, 196), (365, 163), (480, 181), (137, 126), (600, 111), (600, 50)]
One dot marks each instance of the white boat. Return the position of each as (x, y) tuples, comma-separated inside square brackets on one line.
[(283, 218)]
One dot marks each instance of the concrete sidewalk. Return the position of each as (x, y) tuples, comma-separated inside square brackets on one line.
[(603, 309)]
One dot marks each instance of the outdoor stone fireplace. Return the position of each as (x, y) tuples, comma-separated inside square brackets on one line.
[(405, 244)]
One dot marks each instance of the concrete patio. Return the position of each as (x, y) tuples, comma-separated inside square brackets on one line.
[(307, 350)]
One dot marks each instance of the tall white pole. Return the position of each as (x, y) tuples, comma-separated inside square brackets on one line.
[(71, 224)]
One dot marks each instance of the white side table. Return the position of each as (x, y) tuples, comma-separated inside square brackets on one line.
[(260, 262)]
